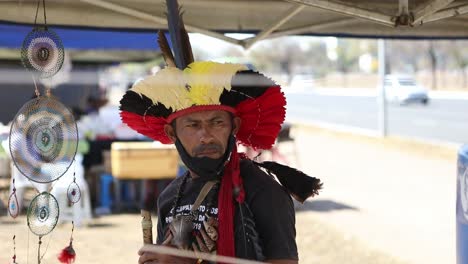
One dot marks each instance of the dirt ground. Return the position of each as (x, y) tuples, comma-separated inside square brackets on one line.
[(118, 238)]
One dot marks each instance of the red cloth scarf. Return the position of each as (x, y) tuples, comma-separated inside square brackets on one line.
[(231, 180)]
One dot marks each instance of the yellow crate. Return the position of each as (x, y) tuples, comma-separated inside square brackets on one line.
[(143, 160)]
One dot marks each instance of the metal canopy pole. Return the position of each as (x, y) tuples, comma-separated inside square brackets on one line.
[(451, 12), (349, 10), (381, 101), (403, 7), (157, 19), (429, 9), (314, 27), (276, 24)]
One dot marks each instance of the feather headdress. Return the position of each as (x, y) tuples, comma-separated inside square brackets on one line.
[(185, 86)]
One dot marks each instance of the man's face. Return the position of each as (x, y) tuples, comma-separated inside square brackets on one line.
[(204, 133)]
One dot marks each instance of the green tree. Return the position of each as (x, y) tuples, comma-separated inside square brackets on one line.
[(348, 52), (460, 57)]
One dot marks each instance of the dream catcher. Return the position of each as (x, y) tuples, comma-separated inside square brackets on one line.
[(43, 143), (42, 52), (43, 138)]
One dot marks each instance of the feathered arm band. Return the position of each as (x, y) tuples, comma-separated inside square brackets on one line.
[(300, 185)]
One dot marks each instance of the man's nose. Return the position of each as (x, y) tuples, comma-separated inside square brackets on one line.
[(206, 136)]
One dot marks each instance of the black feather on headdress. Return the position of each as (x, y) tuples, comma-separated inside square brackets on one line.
[(245, 84), (179, 37), (133, 102), (165, 49)]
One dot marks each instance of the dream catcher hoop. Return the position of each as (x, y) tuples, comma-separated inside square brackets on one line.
[(42, 51), (43, 214), (42, 217), (13, 205), (43, 139)]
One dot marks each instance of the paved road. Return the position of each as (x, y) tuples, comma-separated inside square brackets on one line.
[(443, 120)]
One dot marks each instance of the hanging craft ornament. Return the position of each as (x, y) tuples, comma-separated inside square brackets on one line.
[(42, 51), (13, 206), (74, 192), (43, 214), (14, 251), (42, 217), (68, 254), (43, 139)]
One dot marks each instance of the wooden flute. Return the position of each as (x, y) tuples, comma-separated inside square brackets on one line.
[(147, 227)]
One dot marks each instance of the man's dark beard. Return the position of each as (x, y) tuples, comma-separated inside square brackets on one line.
[(205, 167)]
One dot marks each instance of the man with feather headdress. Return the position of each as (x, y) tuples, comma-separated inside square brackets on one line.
[(225, 204)]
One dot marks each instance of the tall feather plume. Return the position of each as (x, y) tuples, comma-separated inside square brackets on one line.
[(165, 49), (179, 37), (187, 48)]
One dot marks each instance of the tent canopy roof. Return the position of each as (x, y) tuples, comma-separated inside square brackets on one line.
[(91, 45), (265, 18)]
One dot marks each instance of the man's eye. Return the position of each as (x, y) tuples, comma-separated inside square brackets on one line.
[(192, 125)]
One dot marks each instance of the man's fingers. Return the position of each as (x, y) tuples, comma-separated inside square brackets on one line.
[(148, 257), (172, 229), (210, 244), (140, 252), (196, 250), (168, 239), (201, 245)]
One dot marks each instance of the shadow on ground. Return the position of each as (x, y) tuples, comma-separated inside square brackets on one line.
[(323, 206), (100, 225), (6, 220)]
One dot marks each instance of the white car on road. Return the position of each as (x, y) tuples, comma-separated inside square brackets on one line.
[(404, 89), (302, 83)]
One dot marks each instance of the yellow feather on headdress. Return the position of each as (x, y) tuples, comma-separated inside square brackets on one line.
[(167, 86), (201, 83), (207, 80)]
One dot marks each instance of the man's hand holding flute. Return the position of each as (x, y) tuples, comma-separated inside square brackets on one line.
[(147, 257)]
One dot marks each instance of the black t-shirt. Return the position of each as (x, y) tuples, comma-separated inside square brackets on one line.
[(271, 207)]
